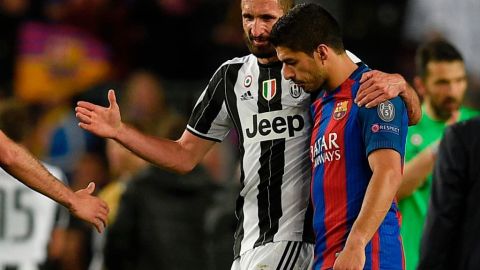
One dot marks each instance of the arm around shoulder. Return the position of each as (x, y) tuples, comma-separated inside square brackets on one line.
[(412, 102)]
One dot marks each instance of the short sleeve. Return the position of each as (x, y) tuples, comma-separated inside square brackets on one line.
[(384, 126), (210, 119)]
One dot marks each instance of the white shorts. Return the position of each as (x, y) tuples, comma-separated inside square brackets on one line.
[(277, 256)]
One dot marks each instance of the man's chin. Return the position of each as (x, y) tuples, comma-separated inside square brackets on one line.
[(263, 51), (262, 54)]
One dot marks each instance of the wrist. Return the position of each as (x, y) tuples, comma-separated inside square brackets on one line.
[(119, 131), (355, 242), (70, 201)]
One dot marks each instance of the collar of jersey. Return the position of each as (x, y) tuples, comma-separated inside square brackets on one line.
[(355, 76)]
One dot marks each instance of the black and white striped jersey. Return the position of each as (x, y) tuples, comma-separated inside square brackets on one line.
[(271, 117), (27, 219)]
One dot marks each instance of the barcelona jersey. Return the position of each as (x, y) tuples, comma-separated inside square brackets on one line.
[(343, 137)]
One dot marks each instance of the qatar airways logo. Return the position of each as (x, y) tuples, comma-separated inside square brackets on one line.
[(273, 125), (325, 149)]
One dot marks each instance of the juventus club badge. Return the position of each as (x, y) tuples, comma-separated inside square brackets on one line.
[(386, 111), (295, 90), (340, 110), (269, 89)]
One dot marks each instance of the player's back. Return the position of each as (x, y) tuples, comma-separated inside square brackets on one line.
[(26, 222)]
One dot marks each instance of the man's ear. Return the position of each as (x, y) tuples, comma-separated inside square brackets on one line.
[(322, 51)]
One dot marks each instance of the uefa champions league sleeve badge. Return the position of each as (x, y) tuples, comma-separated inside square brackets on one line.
[(386, 111)]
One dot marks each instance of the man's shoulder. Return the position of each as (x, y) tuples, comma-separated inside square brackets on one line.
[(467, 112), (240, 60), (247, 59), (470, 126)]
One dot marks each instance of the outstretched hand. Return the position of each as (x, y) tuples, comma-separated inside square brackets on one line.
[(90, 208), (377, 86), (101, 121)]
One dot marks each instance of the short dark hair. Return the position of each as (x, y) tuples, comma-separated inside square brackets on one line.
[(438, 50), (305, 27)]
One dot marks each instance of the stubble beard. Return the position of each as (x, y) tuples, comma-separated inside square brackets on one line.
[(442, 112), (267, 51)]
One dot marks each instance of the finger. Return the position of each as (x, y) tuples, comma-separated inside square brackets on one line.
[(85, 126), (88, 105), (366, 76), (111, 98), (365, 88), (102, 217), (105, 207), (83, 118), (376, 101), (99, 226), (103, 210), (369, 98), (91, 187), (83, 111)]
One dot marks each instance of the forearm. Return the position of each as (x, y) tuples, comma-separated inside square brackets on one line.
[(416, 172), (176, 156), (22, 165), (412, 102), (377, 201)]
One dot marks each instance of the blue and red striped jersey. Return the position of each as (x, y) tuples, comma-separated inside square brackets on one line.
[(343, 137)]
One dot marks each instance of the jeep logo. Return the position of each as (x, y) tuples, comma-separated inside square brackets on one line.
[(273, 125)]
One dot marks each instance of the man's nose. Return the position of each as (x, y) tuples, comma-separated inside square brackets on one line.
[(288, 73), (258, 28)]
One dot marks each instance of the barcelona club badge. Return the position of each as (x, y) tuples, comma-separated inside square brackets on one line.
[(341, 109)]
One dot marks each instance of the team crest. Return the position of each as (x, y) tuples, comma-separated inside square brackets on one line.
[(295, 90), (269, 89), (248, 81), (386, 111), (340, 110)]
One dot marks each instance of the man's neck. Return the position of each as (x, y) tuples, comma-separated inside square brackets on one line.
[(266, 61), (340, 69)]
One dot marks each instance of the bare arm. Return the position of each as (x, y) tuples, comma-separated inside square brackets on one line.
[(180, 156), (377, 86), (385, 164), (416, 171), (22, 165)]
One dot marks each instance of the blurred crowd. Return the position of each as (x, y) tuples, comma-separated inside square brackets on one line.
[(158, 55)]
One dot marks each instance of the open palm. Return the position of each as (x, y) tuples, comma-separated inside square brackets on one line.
[(101, 121)]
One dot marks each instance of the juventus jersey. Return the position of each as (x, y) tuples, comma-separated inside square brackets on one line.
[(26, 222), (270, 115)]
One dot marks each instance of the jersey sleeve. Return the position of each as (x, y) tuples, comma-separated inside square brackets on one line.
[(384, 126), (210, 119)]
